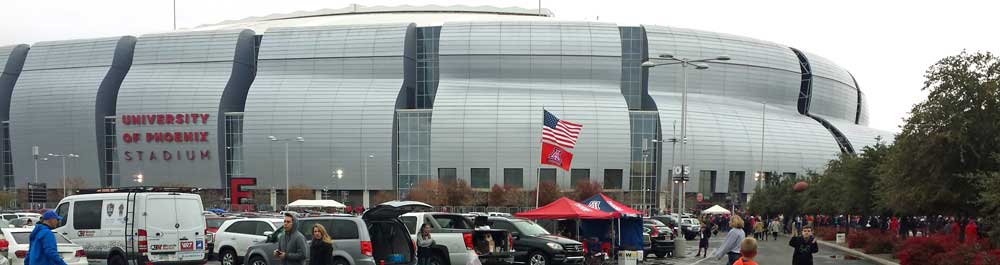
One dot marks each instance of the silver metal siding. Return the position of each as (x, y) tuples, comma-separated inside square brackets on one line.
[(496, 77), (53, 106), (335, 86), (174, 73)]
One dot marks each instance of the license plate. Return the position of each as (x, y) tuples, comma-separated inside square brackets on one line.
[(187, 245), (192, 255)]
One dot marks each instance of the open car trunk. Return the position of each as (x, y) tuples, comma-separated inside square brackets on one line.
[(493, 246), (390, 242)]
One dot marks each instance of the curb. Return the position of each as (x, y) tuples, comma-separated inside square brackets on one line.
[(856, 253)]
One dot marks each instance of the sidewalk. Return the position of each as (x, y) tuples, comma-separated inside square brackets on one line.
[(857, 253)]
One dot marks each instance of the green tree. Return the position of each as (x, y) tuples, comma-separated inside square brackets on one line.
[(952, 133)]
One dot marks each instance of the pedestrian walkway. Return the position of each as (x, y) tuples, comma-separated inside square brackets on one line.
[(770, 252)]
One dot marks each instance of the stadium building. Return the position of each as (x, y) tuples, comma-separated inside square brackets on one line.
[(390, 96)]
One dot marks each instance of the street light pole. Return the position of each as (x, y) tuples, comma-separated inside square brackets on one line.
[(684, 62), (286, 140), (63, 157), (366, 200)]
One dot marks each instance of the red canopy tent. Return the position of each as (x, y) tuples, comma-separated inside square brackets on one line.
[(564, 208)]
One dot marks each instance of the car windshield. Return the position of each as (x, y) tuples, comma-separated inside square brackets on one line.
[(530, 228), (22, 238), (279, 225)]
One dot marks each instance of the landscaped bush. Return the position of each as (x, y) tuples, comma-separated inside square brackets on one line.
[(921, 250), (988, 257), (826, 233), (880, 244), (960, 255)]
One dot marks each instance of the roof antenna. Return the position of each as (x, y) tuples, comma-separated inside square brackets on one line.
[(539, 7)]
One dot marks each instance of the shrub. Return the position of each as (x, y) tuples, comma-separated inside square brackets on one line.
[(987, 257), (960, 255), (920, 250), (826, 233), (880, 244), (859, 239)]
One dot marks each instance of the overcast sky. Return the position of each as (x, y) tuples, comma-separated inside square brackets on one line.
[(887, 46)]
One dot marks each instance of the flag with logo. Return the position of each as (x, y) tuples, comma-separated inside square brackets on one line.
[(556, 136), (556, 156)]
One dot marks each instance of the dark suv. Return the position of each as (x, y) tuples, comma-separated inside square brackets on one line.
[(662, 238), (534, 245)]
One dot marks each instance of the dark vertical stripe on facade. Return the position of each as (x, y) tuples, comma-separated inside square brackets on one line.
[(107, 100), (234, 97), (805, 96)]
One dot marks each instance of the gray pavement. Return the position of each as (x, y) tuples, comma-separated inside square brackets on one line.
[(770, 252)]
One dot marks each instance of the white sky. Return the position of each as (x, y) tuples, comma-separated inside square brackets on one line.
[(887, 45)]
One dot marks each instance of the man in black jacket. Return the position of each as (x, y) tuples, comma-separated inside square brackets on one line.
[(805, 245)]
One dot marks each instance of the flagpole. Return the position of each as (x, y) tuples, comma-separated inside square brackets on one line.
[(538, 177)]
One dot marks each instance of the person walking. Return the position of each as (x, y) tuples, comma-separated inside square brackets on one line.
[(970, 231), (321, 248), (43, 249), (292, 244), (731, 246), (706, 232), (758, 230), (775, 228), (424, 243), (805, 245)]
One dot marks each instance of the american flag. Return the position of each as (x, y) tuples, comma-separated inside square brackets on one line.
[(560, 132)]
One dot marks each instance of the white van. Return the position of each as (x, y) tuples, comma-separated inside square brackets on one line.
[(136, 225)]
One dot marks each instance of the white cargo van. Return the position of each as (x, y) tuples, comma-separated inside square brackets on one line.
[(136, 225)]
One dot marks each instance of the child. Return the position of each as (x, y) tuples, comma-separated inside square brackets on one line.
[(805, 245), (748, 250)]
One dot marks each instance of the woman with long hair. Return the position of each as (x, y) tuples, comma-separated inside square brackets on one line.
[(424, 243), (321, 248)]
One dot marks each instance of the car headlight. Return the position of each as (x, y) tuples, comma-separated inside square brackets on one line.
[(554, 246)]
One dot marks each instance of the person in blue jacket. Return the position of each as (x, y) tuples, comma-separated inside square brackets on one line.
[(43, 249)]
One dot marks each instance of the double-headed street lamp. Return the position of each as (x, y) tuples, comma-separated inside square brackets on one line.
[(699, 64), (64, 156), (286, 140), (365, 193)]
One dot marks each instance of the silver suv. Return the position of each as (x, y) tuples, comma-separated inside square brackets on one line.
[(375, 237)]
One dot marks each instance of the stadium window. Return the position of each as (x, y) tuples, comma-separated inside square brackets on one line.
[(513, 177), (579, 174), (706, 183), (613, 179), (480, 178), (736, 179), (547, 175), (447, 175)]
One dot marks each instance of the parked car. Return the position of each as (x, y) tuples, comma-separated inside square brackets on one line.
[(23, 222), (377, 236), (9, 216), (237, 235), (14, 245), (166, 224), (456, 239), (536, 246), (212, 225), (690, 227), (661, 238)]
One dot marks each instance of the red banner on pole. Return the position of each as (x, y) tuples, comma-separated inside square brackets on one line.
[(556, 156)]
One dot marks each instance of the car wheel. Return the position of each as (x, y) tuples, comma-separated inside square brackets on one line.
[(689, 237), (538, 258), (116, 259), (228, 257), (257, 260), (340, 261), (661, 254)]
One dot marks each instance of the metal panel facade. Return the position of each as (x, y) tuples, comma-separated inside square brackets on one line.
[(170, 101), (726, 106), (834, 94), (496, 77), (53, 106), (335, 86)]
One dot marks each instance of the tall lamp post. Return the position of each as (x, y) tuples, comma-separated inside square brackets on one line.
[(64, 156), (286, 140), (365, 193), (699, 64)]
